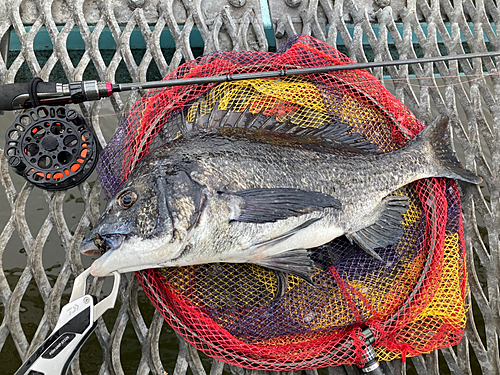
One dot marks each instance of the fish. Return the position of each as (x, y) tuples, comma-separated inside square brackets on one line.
[(241, 195)]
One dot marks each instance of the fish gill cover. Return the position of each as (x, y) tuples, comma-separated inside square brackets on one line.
[(413, 301)]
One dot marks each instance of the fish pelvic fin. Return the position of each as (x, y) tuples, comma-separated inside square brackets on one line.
[(281, 284), (439, 137), (295, 262)]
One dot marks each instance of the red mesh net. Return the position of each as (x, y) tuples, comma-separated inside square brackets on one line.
[(413, 301)]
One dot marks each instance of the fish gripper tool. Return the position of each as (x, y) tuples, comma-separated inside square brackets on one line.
[(78, 319)]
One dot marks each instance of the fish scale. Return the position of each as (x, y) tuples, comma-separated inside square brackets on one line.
[(302, 169)]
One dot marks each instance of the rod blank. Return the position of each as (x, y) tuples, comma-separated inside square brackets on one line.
[(294, 72)]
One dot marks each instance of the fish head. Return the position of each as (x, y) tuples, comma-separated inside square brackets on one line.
[(145, 224)]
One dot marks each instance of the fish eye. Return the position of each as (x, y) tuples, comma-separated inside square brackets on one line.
[(127, 199)]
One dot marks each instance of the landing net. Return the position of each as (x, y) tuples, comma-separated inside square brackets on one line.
[(413, 301)]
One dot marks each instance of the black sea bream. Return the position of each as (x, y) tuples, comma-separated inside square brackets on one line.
[(238, 195)]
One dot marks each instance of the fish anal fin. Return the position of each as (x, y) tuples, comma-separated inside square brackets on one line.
[(269, 205), (386, 230)]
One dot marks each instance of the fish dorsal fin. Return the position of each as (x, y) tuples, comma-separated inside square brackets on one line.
[(342, 133), (387, 230), (335, 130), (269, 205)]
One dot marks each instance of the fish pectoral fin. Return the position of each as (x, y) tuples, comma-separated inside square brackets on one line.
[(269, 205), (263, 246), (386, 230), (296, 262)]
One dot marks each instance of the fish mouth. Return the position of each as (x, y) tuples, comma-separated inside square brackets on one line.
[(89, 248), (101, 244)]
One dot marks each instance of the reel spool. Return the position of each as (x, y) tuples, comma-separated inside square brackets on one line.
[(52, 147)]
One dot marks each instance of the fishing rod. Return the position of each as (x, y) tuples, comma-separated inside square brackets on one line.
[(53, 148), (16, 95)]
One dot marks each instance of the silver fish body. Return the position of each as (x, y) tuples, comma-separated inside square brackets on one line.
[(238, 195)]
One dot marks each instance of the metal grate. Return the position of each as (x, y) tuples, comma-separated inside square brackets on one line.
[(365, 30)]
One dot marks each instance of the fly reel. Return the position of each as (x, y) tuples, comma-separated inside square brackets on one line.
[(52, 147)]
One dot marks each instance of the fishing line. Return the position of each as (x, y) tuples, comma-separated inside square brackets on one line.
[(479, 77)]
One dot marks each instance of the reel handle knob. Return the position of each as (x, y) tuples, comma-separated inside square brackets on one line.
[(16, 163)]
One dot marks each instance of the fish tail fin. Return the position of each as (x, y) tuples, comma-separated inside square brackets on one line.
[(438, 136)]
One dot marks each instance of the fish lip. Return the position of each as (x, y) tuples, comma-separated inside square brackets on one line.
[(88, 247), (133, 255), (97, 265), (99, 261), (101, 266)]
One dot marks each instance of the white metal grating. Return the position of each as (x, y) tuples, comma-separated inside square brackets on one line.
[(451, 27)]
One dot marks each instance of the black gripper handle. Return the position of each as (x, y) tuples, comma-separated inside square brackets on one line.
[(15, 95)]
